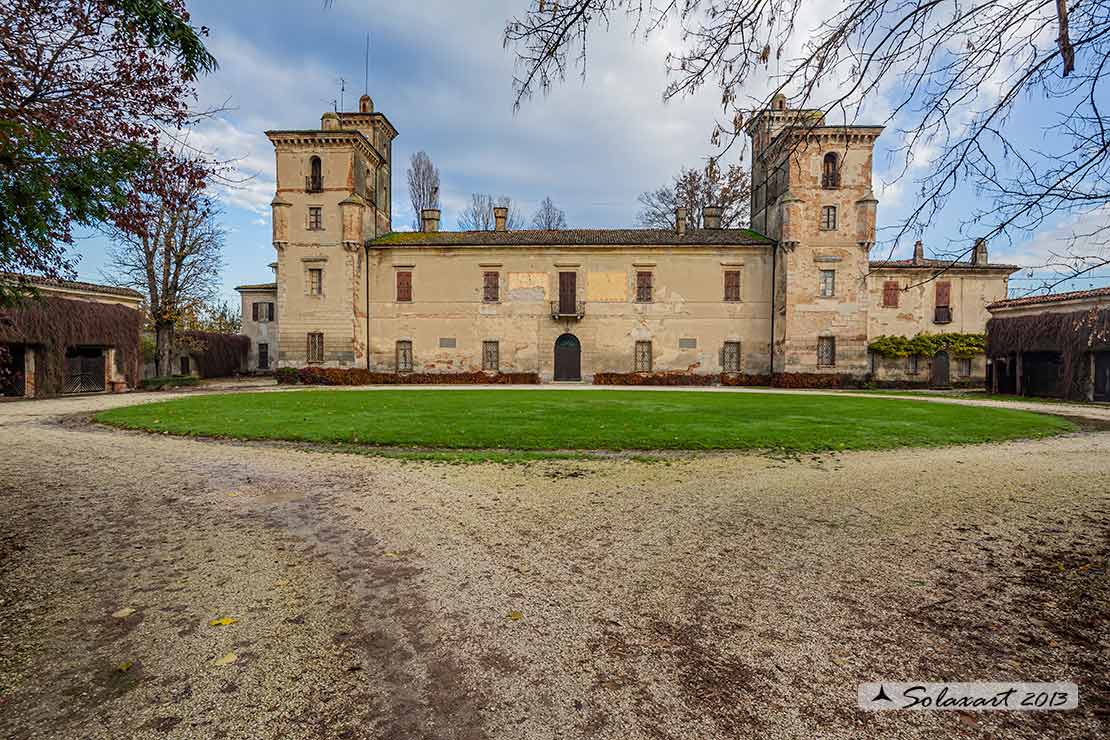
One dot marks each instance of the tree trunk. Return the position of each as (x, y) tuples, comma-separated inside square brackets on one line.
[(163, 348)]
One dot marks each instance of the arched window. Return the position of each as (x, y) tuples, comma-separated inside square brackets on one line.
[(830, 171), (316, 179)]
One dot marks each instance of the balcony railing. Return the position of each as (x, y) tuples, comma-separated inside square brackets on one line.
[(942, 315), (562, 310), (313, 184), (830, 180)]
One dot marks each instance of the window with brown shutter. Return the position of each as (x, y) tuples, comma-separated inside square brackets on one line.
[(491, 287), (404, 286), (943, 312), (643, 287), (890, 294), (254, 312), (732, 285), (270, 311)]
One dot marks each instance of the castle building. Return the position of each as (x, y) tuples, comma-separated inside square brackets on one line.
[(796, 293)]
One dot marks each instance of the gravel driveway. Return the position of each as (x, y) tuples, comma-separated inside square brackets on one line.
[(723, 596)]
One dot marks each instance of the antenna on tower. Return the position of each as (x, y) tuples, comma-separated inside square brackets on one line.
[(366, 88), (342, 89)]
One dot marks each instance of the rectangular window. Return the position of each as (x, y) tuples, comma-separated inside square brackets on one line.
[(943, 312), (491, 287), (315, 218), (688, 343), (263, 357), (404, 356), (826, 351), (890, 294), (447, 343), (404, 286), (315, 281), (491, 357), (730, 357), (269, 311), (828, 283), (732, 285), (963, 367), (262, 311), (914, 364), (643, 357), (316, 347), (254, 311), (568, 293), (643, 287), (828, 218)]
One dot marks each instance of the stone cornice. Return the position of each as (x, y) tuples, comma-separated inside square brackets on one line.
[(320, 138)]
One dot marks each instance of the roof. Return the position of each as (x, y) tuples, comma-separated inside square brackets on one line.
[(258, 286), (1036, 300), (932, 264), (570, 237), (75, 285)]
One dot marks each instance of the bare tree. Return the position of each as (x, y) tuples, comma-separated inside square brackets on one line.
[(478, 216), (549, 217), (953, 75), (694, 189), (423, 177), (167, 244)]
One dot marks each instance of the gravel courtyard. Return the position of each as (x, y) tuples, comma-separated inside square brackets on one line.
[(718, 596)]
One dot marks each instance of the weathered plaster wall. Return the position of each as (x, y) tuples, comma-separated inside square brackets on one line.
[(972, 291), (262, 331)]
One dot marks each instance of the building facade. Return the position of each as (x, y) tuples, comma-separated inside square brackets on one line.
[(796, 294), (258, 309)]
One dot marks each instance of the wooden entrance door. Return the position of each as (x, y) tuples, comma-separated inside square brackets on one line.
[(941, 377), (568, 293), (1102, 376), (568, 358)]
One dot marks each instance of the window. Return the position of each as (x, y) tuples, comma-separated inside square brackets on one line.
[(963, 367), (404, 356), (491, 357), (643, 287), (914, 363), (826, 351), (732, 285), (643, 357), (830, 171), (262, 311), (315, 218), (263, 356), (315, 281), (491, 287), (943, 313), (447, 343), (730, 357), (315, 350), (688, 343), (890, 294), (404, 286), (314, 183), (828, 283), (828, 218)]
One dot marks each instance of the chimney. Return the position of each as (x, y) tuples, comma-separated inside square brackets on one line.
[(680, 221), (501, 217), (329, 121), (365, 104), (711, 217), (918, 253), (979, 253), (429, 220)]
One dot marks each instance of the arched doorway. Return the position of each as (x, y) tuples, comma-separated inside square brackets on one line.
[(941, 377), (568, 358)]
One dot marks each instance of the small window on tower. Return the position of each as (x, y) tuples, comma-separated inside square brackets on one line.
[(315, 218), (828, 218), (315, 179), (828, 283), (826, 352), (315, 281), (830, 171), (315, 351)]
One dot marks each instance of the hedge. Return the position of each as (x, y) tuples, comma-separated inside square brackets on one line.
[(361, 376)]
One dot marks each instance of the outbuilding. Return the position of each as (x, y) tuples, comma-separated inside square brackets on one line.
[(1051, 345)]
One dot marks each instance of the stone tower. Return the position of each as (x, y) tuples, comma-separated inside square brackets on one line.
[(333, 194), (811, 193)]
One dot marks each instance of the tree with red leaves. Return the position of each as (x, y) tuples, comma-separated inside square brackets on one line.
[(86, 87)]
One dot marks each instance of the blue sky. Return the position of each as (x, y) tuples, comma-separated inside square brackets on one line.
[(439, 72)]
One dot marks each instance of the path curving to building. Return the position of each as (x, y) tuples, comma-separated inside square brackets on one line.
[(711, 597)]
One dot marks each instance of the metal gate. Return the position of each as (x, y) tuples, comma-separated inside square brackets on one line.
[(568, 358), (84, 370), (941, 376), (1102, 376)]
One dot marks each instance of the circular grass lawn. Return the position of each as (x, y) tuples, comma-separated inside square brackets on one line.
[(584, 420)]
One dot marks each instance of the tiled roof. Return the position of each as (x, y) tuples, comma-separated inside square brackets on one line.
[(570, 237), (940, 264), (44, 282), (1033, 300), (259, 286)]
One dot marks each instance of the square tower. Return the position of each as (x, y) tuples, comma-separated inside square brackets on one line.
[(333, 195), (811, 193)]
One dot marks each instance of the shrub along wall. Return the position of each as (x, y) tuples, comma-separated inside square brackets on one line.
[(361, 376), (54, 324), (216, 355), (1073, 335)]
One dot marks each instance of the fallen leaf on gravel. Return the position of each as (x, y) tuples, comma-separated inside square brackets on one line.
[(516, 616), (282, 582), (125, 666), (227, 659), (393, 554), (222, 622), (123, 613)]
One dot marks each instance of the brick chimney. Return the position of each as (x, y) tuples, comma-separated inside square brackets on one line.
[(680, 221), (979, 252), (711, 217), (501, 218), (429, 220), (918, 253)]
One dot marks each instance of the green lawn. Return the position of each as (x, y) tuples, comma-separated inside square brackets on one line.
[(583, 420)]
